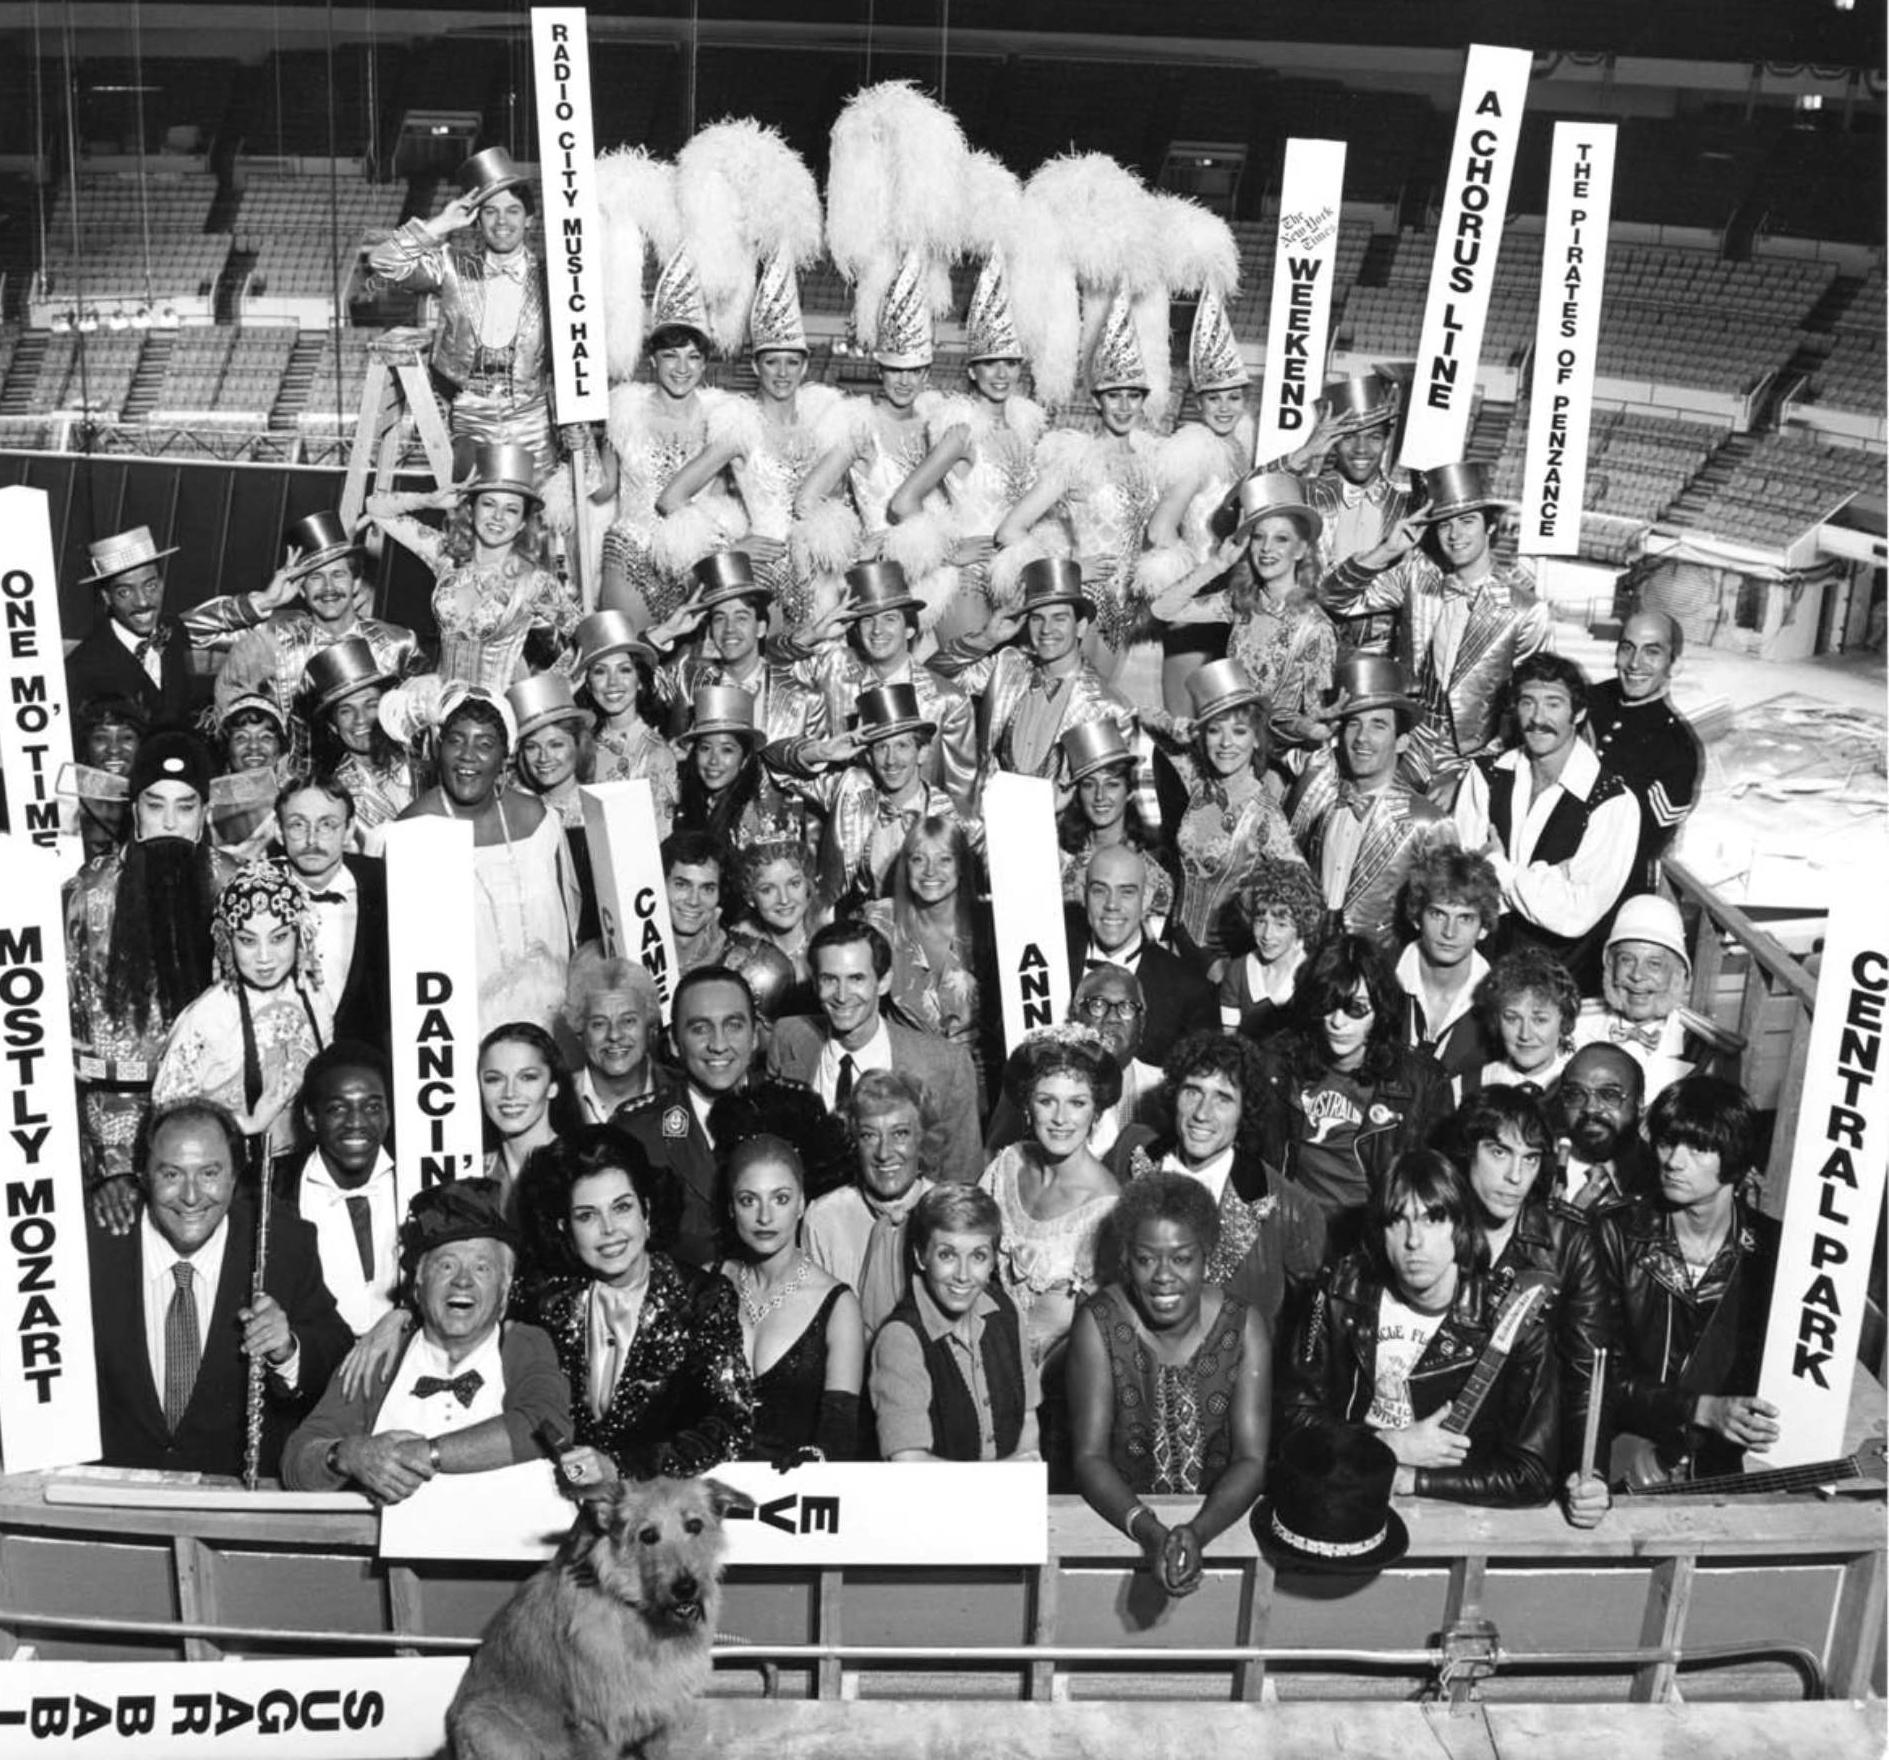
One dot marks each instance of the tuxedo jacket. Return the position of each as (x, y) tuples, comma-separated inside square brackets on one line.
[(943, 1067), (1399, 826), (102, 666), (365, 1008), (1179, 1000), (210, 1437)]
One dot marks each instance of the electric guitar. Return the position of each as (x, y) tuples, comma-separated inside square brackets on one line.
[(1529, 1294), (1643, 1474)]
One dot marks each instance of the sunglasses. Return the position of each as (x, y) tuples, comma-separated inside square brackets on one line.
[(1356, 1008)]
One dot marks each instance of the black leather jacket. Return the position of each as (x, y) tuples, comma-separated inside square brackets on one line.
[(1513, 1443)]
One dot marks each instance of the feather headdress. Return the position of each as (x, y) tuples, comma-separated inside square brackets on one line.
[(636, 201), (993, 231)]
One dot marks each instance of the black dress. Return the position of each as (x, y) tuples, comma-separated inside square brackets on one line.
[(787, 1397)]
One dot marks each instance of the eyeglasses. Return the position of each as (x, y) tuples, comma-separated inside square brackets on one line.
[(1355, 1008), (1612, 1098), (1100, 1008)]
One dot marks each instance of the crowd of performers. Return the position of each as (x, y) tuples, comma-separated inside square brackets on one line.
[(1379, 1010)]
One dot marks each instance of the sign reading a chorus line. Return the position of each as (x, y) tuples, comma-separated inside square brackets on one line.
[(35, 718), (48, 1387), (626, 862), (1026, 899), (573, 235), (434, 991), (1310, 194), (1567, 337), (1462, 273)]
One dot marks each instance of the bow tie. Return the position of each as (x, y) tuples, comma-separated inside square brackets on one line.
[(1626, 1033), (461, 1387), (1357, 494), (1042, 681), (892, 814), (327, 898), (151, 644), (512, 268), (1353, 797)]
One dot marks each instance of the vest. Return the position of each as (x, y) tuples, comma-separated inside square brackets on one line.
[(954, 1433)]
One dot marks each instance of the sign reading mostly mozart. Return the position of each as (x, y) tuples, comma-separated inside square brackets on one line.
[(1311, 192), (35, 723), (1833, 1207), (1567, 337), (48, 1387), (1462, 273), (434, 987), (824, 1513), (573, 236), (1026, 898), (626, 862)]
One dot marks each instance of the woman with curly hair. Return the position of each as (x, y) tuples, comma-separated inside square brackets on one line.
[(1528, 1004), (1285, 914), (776, 879), (1340, 1097), (1052, 1190), (617, 672)]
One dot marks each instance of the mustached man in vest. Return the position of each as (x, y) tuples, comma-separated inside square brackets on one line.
[(1465, 622), (1361, 826), (1559, 827)]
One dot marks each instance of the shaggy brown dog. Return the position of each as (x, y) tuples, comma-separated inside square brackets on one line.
[(601, 1651)]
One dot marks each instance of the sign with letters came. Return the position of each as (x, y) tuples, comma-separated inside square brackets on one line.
[(35, 718), (626, 862), (48, 1390), (573, 236), (1026, 899), (1311, 191), (434, 990)]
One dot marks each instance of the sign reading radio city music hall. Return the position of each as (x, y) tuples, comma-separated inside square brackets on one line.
[(1305, 265), (434, 990), (1026, 901), (1462, 273), (573, 238), (1833, 1210), (35, 727)]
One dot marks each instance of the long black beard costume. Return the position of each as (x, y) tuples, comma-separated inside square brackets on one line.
[(160, 951)]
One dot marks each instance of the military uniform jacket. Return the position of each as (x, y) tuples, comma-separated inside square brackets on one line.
[(1653, 749)]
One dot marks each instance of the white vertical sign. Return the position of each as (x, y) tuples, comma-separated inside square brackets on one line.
[(35, 718), (626, 862), (1462, 273), (433, 983), (48, 1385), (1567, 337), (573, 235), (1026, 899), (1833, 1206), (1311, 191)]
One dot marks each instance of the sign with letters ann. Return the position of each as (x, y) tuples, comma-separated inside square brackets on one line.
[(573, 237), (1833, 1206), (35, 718), (1026, 901), (825, 1513), (626, 863)]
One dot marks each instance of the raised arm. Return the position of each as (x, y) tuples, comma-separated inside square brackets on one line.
[(697, 474), (951, 448)]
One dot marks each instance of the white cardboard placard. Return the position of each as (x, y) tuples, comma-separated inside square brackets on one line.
[(573, 236), (35, 718), (1311, 192), (626, 863), (1026, 898)]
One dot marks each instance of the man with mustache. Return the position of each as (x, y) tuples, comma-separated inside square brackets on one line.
[(1559, 827)]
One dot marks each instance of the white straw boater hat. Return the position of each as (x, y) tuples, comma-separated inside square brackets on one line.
[(122, 553)]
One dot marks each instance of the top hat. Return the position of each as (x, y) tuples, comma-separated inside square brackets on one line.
[(1362, 401), (1373, 681), (1053, 580), (1457, 488), (1218, 686), (1648, 917), (118, 555), (721, 708), (725, 575), (1277, 492), (873, 587), (603, 633), (485, 174), (1090, 746), (321, 538), (340, 670), (504, 468), (452, 1211), (542, 699), (889, 709), (1328, 1502), (171, 754)]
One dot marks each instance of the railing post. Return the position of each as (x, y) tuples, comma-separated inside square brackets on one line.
[(826, 1683), (1045, 1605), (1856, 1629), (195, 1565), (1256, 1591), (1663, 1626)]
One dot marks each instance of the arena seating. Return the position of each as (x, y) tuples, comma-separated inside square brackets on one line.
[(137, 238), (1788, 482), (306, 229)]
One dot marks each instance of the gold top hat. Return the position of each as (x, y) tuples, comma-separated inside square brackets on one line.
[(504, 468), (1457, 488), (1214, 361), (678, 299), (1373, 681), (1116, 363), (485, 174), (889, 709), (1365, 400), (904, 338), (774, 319), (1277, 492), (546, 697), (120, 554), (1218, 686), (609, 632), (721, 708), (990, 327), (321, 538), (1094, 745), (873, 587), (725, 575), (1053, 580), (340, 670)]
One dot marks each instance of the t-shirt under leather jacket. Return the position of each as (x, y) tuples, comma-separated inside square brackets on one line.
[(1329, 1377)]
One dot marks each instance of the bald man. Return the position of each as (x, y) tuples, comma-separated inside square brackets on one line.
[(1644, 740)]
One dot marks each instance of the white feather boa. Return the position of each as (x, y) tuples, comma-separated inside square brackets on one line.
[(825, 541)]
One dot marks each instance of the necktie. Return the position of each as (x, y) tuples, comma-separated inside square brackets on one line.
[(843, 1088), (183, 1346), (462, 1387), (363, 1219), (1626, 1033)]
